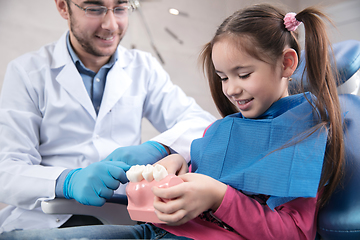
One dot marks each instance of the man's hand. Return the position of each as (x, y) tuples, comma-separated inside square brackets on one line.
[(147, 153), (95, 183)]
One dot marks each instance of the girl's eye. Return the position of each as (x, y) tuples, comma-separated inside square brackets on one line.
[(222, 77), (244, 76)]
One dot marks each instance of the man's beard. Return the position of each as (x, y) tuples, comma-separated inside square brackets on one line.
[(86, 45)]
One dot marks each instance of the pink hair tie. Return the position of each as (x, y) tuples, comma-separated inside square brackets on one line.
[(290, 21)]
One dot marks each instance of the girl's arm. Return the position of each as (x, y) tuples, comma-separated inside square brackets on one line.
[(198, 193), (293, 220)]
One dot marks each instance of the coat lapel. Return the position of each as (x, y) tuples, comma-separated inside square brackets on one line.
[(117, 82), (68, 76), (70, 79)]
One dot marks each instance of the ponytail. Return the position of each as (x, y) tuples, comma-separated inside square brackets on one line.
[(322, 83)]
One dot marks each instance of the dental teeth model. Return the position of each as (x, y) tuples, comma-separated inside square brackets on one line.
[(149, 172), (139, 190)]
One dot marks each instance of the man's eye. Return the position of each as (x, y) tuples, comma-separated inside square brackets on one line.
[(120, 10), (95, 10)]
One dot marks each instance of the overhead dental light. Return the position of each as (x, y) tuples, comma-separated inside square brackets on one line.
[(174, 11)]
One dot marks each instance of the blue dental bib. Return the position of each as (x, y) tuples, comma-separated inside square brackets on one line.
[(272, 155)]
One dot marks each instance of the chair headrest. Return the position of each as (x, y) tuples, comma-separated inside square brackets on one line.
[(339, 218), (347, 56)]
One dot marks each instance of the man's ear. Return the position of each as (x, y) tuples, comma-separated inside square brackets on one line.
[(290, 62), (62, 7)]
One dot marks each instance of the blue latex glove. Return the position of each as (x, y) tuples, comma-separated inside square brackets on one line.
[(147, 153), (95, 183)]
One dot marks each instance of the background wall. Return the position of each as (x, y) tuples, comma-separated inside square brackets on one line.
[(27, 25)]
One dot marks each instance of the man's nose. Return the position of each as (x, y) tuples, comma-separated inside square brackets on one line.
[(109, 21)]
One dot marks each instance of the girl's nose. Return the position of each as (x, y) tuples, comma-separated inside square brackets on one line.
[(232, 88)]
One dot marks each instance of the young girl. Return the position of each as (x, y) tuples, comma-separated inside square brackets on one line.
[(266, 171), (263, 170)]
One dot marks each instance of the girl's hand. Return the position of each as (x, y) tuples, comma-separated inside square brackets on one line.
[(197, 194), (174, 164)]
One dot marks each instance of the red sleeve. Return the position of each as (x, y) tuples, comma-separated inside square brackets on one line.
[(207, 129), (292, 220)]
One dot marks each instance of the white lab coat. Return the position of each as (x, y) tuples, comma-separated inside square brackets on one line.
[(48, 124)]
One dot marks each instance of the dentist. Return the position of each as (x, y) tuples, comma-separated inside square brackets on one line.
[(70, 117)]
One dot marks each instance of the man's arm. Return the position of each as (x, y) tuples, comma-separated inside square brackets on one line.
[(24, 181)]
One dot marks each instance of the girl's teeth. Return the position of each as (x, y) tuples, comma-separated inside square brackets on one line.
[(243, 102)]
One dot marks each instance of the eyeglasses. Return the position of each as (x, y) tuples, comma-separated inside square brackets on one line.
[(100, 11)]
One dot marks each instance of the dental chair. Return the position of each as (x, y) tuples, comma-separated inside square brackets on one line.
[(347, 55), (113, 212), (340, 218)]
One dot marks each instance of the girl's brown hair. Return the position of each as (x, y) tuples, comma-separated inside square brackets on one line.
[(261, 32)]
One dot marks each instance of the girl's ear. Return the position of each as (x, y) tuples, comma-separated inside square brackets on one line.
[(290, 62), (62, 7)]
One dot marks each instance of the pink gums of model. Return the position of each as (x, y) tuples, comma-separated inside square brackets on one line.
[(141, 198)]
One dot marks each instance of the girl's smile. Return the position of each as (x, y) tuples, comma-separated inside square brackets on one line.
[(244, 104)]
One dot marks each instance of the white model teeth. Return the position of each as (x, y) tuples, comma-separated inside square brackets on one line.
[(148, 173), (135, 173), (139, 172), (159, 172)]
